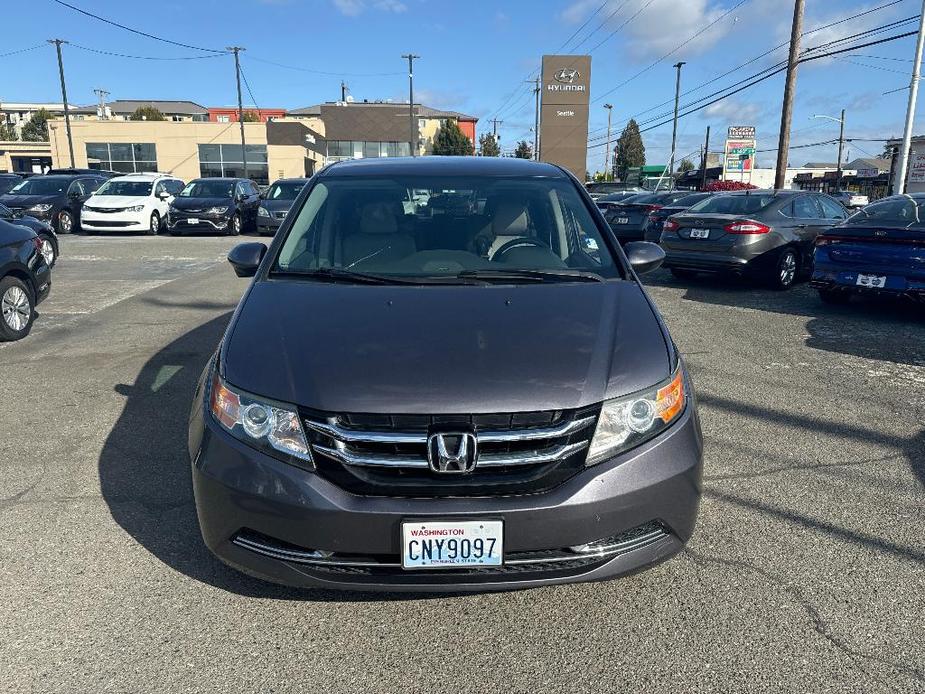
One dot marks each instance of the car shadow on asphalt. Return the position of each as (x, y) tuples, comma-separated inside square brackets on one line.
[(872, 328), (145, 476)]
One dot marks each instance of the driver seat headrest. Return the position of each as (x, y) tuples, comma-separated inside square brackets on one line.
[(509, 219), (378, 218)]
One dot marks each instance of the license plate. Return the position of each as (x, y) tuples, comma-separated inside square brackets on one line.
[(700, 233), (873, 281), (192, 220), (623, 220), (452, 544)]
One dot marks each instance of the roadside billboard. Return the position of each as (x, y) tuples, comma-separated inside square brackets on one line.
[(739, 157), (917, 168)]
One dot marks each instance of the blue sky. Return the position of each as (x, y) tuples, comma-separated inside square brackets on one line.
[(475, 57)]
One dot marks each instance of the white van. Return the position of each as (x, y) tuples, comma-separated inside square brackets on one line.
[(136, 202)]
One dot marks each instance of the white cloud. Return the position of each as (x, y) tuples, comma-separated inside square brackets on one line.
[(352, 8), (577, 11), (732, 110)]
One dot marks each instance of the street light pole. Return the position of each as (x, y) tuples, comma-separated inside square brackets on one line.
[(412, 140), (536, 119), (674, 127), (609, 108), (841, 143), (899, 182), (237, 72), (67, 114)]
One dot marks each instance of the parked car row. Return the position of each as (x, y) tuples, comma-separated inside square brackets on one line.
[(25, 278)]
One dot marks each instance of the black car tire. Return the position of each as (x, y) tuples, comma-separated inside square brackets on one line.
[(235, 225), (834, 296), (154, 225), (65, 222), (49, 240), (786, 269), (682, 274), (14, 293)]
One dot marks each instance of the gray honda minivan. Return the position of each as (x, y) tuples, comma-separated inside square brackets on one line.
[(445, 375)]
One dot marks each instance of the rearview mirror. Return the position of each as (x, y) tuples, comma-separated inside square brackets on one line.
[(644, 256), (245, 258)]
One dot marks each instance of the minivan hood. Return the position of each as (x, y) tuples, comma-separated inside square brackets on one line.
[(444, 349), (116, 201), (276, 205), (200, 203)]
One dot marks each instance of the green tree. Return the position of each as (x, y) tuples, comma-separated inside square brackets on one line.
[(36, 128), (488, 145), (523, 150), (250, 117), (451, 141), (630, 150), (147, 113), (686, 165), (7, 132)]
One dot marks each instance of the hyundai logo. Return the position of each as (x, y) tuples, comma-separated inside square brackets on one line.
[(567, 75), (452, 453)]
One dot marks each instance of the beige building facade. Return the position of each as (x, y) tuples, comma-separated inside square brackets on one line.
[(188, 149)]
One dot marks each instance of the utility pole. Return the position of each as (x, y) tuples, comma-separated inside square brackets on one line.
[(237, 72), (101, 94), (706, 158), (899, 183), (841, 144), (67, 114), (536, 119), (494, 127), (783, 145), (674, 127), (609, 108), (413, 138)]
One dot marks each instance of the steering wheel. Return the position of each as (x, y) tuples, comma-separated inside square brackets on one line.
[(516, 243)]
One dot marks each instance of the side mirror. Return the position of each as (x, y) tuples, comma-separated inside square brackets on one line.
[(163, 195), (644, 256), (245, 258)]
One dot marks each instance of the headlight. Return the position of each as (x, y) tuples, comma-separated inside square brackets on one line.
[(269, 426), (629, 421), (40, 209), (262, 212), (136, 208), (218, 210)]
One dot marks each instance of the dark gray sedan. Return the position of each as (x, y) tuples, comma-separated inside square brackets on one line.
[(275, 204), (768, 232), (629, 219)]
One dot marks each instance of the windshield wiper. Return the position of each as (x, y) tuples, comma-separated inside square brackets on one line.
[(516, 275), (335, 274)]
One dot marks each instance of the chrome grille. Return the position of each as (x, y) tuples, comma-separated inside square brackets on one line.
[(104, 210), (387, 455)]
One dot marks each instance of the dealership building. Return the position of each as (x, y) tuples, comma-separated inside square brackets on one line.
[(196, 141)]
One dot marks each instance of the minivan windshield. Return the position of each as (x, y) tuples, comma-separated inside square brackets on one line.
[(208, 189), (733, 204), (42, 185), (135, 189), (899, 212), (285, 190), (419, 227)]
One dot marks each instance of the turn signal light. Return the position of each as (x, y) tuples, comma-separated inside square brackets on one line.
[(669, 401), (747, 226)]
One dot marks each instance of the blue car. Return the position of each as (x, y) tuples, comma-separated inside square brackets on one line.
[(878, 250)]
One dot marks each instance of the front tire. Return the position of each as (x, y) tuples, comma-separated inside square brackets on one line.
[(154, 225), (785, 270), (17, 310), (234, 226), (49, 252), (65, 223)]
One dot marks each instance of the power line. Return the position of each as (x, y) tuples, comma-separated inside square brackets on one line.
[(22, 50), (145, 57), (135, 31), (250, 93), (321, 72), (586, 23), (620, 28)]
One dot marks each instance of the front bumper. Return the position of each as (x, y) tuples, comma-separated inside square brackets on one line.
[(896, 285), (181, 224), (247, 500), (113, 221), (268, 225)]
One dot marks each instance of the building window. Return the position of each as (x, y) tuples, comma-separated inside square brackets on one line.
[(354, 149), (228, 161), (224, 119), (124, 157)]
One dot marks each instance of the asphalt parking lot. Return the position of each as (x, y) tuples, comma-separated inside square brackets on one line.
[(806, 573)]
